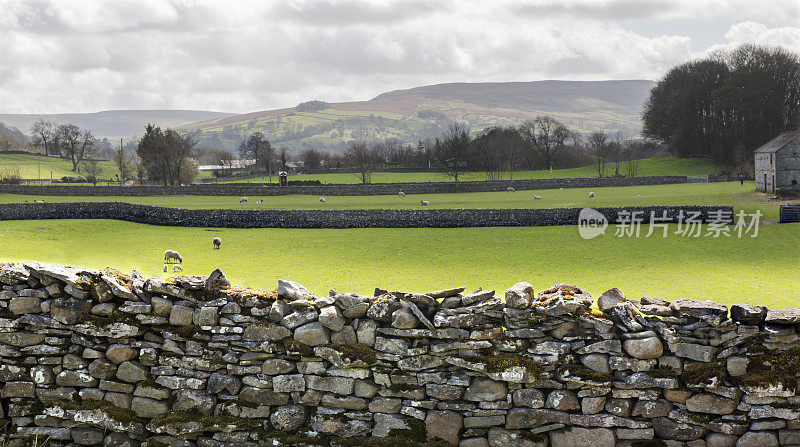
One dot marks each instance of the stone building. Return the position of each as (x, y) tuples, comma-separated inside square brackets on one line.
[(777, 163)]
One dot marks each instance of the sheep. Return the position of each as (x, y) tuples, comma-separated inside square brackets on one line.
[(243, 200), (637, 195), (510, 189), (172, 255), (591, 194), (537, 197), (166, 267), (38, 201), (322, 199), (217, 242), (260, 201), (424, 202), (401, 194), (177, 268)]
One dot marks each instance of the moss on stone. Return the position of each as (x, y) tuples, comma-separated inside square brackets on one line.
[(292, 345), (706, 374), (356, 352), (664, 372), (115, 317), (401, 387), (772, 368), (415, 432), (697, 418), (208, 422), (122, 415), (584, 373), (497, 362)]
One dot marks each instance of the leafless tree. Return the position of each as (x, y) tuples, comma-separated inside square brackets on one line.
[(597, 147), (43, 134), (453, 150), (93, 169), (547, 136), (361, 157), (123, 164), (76, 144)]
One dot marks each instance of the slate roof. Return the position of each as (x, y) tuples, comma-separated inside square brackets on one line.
[(775, 144)]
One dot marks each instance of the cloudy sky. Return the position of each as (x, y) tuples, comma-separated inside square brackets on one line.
[(237, 56)]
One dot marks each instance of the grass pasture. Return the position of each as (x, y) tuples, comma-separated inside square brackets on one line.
[(727, 269), (728, 193), (692, 167), (32, 166)]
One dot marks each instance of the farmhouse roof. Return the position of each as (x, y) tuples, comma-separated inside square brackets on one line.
[(775, 144)]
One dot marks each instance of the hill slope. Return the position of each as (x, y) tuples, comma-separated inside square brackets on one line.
[(423, 112), (115, 123)]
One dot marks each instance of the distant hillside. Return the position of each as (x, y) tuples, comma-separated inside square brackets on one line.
[(424, 111), (116, 123)]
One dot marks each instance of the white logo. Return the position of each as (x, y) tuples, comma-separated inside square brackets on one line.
[(591, 223)]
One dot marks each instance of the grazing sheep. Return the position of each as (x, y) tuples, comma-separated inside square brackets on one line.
[(322, 199), (177, 268), (401, 194), (38, 201), (560, 189), (172, 255), (537, 197), (217, 242), (424, 202), (166, 267), (260, 201), (510, 189), (243, 200), (591, 194), (637, 195)]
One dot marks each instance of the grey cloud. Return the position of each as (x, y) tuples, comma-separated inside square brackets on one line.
[(610, 10), (338, 13)]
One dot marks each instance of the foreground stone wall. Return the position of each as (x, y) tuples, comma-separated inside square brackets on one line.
[(368, 218), (93, 357), (254, 189)]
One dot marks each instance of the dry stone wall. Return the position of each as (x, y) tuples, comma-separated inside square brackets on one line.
[(255, 189), (104, 358), (367, 218)]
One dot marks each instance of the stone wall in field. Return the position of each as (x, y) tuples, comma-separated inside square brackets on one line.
[(100, 357), (256, 190), (367, 218)]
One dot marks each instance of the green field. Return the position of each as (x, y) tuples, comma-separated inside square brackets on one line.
[(36, 166), (692, 167), (728, 193), (757, 270)]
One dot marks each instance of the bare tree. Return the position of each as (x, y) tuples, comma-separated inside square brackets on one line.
[(123, 164), (92, 168), (361, 157), (453, 150), (76, 144), (43, 134), (597, 147), (547, 136)]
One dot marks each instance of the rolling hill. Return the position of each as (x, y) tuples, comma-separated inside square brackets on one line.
[(115, 123), (408, 115), (424, 111)]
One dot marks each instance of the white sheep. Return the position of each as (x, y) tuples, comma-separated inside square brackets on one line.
[(591, 194), (537, 197), (177, 268), (322, 199), (510, 189), (424, 202), (260, 201), (401, 194), (217, 242), (38, 201), (172, 255), (243, 200), (166, 267)]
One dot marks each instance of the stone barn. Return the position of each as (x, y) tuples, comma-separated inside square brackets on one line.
[(777, 163)]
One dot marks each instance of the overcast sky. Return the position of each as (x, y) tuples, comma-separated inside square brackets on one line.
[(237, 56)]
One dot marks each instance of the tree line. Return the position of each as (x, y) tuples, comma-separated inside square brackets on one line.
[(541, 143), (726, 105)]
